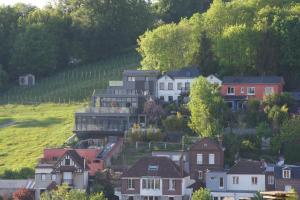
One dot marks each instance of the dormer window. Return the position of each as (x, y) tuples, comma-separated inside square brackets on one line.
[(67, 161), (152, 168), (286, 173)]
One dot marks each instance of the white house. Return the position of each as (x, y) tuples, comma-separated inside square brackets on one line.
[(242, 181), (214, 80), (27, 80), (174, 83)]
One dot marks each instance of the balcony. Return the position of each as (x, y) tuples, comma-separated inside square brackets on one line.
[(105, 110)]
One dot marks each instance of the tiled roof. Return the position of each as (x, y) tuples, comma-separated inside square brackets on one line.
[(207, 144), (247, 167), (253, 79), (295, 171), (187, 72), (155, 166), (16, 184)]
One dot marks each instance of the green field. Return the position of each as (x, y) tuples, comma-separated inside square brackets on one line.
[(43, 116), (36, 127)]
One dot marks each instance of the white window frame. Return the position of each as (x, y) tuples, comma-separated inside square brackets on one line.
[(130, 184), (271, 90), (200, 174), (151, 184), (271, 180), (131, 78), (254, 180), (199, 158), (249, 90), (53, 177), (229, 92), (235, 180), (161, 85), (43, 177), (211, 159), (221, 178), (286, 173), (242, 90), (170, 86), (172, 183), (179, 86)]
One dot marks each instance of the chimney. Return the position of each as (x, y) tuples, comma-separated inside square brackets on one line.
[(263, 163), (181, 164), (220, 140), (280, 161)]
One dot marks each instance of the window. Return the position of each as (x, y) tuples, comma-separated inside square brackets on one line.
[(43, 177), (179, 86), (67, 161), (287, 188), (187, 85), (235, 180), (269, 90), (254, 180), (162, 98), (242, 90), (153, 184), (130, 198), (172, 183), (286, 173), (221, 182), (211, 159), (152, 167), (271, 180), (131, 78), (170, 98), (161, 86), (170, 86), (216, 198), (53, 177), (171, 198), (251, 90), (199, 159), (200, 174), (130, 184), (230, 90)]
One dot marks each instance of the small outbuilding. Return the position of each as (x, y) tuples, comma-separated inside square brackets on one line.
[(27, 80)]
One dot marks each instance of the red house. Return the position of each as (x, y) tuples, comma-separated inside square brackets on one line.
[(236, 90)]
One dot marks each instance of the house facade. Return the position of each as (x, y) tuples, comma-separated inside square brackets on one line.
[(241, 181), (173, 84), (116, 108), (287, 177), (205, 155), (66, 166), (155, 178), (212, 79), (237, 90)]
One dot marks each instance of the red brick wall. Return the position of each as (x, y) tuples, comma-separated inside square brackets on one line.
[(259, 89), (124, 187), (178, 187)]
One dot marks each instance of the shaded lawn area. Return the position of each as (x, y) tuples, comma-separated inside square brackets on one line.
[(37, 127)]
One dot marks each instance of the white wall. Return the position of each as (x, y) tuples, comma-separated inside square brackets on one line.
[(245, 182), (214, 80), (175, 92)]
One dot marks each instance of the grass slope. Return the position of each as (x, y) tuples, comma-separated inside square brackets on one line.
[(36, 127), (37, 117)]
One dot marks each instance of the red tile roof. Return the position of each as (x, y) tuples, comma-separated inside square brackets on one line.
[(90, 155)]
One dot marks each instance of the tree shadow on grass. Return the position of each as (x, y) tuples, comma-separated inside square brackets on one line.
[(39, 123)]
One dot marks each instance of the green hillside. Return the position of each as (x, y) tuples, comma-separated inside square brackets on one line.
[(43, 116), (74, 85)]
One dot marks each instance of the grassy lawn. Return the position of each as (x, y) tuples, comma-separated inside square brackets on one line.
[(36, 127)]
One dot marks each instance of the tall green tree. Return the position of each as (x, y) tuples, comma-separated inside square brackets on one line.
[(207, 109), (171, 46)]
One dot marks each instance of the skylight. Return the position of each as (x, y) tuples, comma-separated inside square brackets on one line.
[(152, 167)]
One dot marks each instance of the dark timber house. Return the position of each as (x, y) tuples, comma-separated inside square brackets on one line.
[(116, 109)]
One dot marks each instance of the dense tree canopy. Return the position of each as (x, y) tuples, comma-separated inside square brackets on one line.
[(251, 37), (171, 46), (202, 194), (42, 41), (207, 109)]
